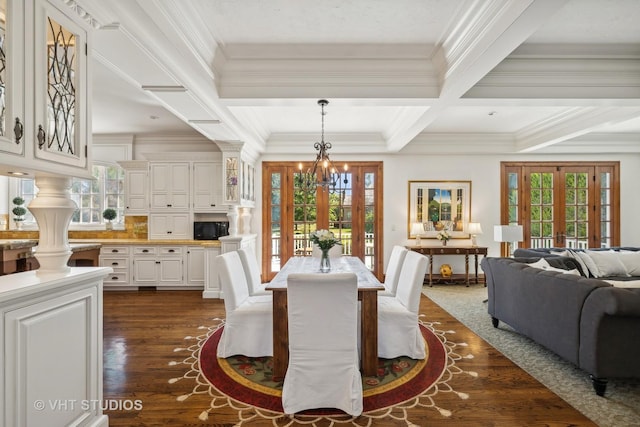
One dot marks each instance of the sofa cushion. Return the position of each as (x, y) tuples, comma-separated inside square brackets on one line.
[(543, 264), (591, 265), (608, 263), (631, 261), (584, 270)]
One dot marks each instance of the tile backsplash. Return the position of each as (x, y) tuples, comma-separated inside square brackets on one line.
[(135, 227)]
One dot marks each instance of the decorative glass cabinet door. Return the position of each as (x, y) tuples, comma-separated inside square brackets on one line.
[(11, 77), (60, 87), (231, 179)]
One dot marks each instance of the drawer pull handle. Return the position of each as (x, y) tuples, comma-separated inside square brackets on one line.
[(157, 262), (169, 206), (169, 232), (145, 251), (114, 263), (114, 278), (171, 250), (114, 251)]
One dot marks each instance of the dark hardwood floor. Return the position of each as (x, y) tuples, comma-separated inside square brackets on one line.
[(142, 329)]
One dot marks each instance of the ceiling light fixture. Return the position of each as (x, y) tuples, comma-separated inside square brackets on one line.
[(322, 173)]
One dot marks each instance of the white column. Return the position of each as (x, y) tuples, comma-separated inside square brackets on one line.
[(232, 214), (53, 208), (245, 215)]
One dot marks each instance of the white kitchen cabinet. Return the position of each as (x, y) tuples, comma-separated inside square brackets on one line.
[(118, 259), (51, 348), (12, 139), (170, 186), (195, 265), (170, 226), (136, 190), (206, 187), (159, 266), (46, 125)]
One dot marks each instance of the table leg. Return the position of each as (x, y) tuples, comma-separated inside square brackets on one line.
[(476, 257), (280, 335), (466, 268), (430, 270), (369, 333)]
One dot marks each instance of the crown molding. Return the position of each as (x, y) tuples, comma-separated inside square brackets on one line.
[(554, 78), (569, 124)]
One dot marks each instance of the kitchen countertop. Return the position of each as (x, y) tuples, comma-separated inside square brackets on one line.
[(88, 244), (205, 243), (10, 244)]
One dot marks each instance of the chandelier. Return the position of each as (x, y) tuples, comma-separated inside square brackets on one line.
[(322, 174)]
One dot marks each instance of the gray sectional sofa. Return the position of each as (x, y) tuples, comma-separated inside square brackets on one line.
[(586, 321)]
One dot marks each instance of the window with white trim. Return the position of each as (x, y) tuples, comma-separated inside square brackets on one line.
[(92, 196)]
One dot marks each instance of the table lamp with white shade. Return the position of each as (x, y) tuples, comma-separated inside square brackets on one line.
[(417, 229), (474, 228), (508, 234)]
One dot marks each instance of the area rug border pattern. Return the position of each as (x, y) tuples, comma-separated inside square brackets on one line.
[(247, 413)]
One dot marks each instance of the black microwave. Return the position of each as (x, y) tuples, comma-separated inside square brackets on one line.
[(210, 230)]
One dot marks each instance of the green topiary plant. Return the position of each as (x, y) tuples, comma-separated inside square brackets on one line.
[(109, 214), (18, 211)]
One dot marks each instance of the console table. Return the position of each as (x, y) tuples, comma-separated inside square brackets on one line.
[(430, 251)]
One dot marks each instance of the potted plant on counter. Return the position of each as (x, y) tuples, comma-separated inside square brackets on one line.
[(18, 211), (109, 214)]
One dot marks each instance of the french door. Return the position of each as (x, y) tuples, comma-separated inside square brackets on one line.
[(571, 204), (351, 209)]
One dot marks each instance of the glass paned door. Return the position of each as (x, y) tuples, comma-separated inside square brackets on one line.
[(293, 210), (573, 204)]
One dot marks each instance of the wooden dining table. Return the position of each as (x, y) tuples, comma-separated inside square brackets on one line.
[(368, 287)]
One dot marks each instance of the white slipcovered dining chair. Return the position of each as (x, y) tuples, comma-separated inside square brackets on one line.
[(398, 329), (334, 252), (252, 272), (248, 328), (393, 271), (323, 367)]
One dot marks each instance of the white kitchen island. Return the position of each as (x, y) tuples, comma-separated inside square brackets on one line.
[(51, 356)]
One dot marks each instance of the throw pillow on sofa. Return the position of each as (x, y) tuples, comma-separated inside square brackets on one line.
[(572, 254), (608, 263), (543, 264), (592, 268), (631, 261)]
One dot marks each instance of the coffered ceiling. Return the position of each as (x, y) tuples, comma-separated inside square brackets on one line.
[(448, 76)]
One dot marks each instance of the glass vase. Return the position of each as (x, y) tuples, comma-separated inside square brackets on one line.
[(444, 243), (325, 264)]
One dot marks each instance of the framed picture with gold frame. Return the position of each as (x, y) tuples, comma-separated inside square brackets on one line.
[(440, 205)]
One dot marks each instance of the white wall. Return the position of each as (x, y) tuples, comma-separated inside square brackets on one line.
[(484, 173)]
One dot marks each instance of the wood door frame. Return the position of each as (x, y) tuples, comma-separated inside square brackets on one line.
[(358, 171), (611, 167)]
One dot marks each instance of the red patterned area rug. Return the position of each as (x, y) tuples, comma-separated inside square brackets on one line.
[(245, 384)]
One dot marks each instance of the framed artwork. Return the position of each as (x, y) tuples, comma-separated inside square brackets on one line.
[(440, 205)]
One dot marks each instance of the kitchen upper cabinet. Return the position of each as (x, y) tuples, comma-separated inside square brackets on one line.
[(170, 186), (12, 78), (170, 226), (206, 188), (45, 125), (136, 192)]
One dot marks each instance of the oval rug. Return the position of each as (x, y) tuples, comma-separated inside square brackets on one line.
[(248, 379)]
